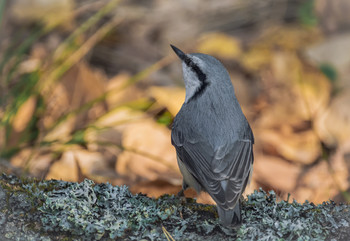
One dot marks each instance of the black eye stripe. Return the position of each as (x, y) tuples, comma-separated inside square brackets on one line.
[(201, 76)]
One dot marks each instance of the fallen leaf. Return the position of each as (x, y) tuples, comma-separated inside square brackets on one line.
[(309, 87), (62, 132), (148, 153), (256, 58), (220, 45), (51, 12), (155, 188), (301, 147), (314, 91), (311, 181), (276, 173), (78, 86), (56, 106), (90, 162), (76, 162), (35, 161), (332, 175), (333, 125), (119, 117), (331, 52), (64, 169), (340, 166), (291, 38), (24, 114), (260, 54), (120, 91), (332, 16), (170, 97), (21, 121)]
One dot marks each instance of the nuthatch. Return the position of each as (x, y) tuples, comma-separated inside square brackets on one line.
[(212, 137)]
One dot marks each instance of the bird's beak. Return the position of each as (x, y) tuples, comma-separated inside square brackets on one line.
[(178, 52)]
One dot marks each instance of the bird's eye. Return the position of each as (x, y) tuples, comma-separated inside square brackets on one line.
[(189, 62)]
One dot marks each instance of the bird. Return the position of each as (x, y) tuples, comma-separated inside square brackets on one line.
[(212, 137)]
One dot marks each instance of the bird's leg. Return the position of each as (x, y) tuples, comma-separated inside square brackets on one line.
[(181, 194)]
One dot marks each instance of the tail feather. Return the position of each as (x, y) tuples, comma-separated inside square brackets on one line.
[(231, 217)]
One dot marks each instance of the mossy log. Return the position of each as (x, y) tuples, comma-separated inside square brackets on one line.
[(57, 210)]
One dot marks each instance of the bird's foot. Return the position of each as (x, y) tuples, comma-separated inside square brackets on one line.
[(181, 196)]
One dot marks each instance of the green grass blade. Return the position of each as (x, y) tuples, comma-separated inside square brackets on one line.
[(2, 9)]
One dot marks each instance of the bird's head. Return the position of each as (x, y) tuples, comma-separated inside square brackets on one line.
[(202, 73)]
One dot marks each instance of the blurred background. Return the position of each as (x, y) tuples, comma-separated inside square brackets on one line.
[(89, 89)]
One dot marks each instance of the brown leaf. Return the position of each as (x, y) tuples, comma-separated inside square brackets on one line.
[(331, 52), (326, 179), (302, 147), (64, 169), (118, 93), (119, 117), (51, 13), (76, 162), (35, 161), (78, 86), (24, 114), (260, 54), (219, 44), (256, 58), (276, 173), (333, 125), (170, 97), (310, 183), (309, 89), (90, 162), (333, 15), (149, 153), (155, 188), (62, 132), (314, 90)]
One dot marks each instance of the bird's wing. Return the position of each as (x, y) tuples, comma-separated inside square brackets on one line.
[(223, 172)]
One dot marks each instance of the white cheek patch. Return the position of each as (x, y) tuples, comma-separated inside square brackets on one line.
[(192, 82), (190, 78)]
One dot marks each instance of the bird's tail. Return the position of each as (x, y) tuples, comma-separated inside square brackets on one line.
[(231, 217)]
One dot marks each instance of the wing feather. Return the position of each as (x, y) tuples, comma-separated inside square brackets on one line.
[(223, 172)]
